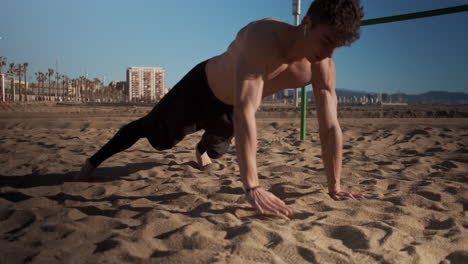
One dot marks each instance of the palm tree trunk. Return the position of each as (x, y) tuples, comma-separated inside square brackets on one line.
[(63, 89), (48, 89), (13, 87), (19, 83), (25, 83)]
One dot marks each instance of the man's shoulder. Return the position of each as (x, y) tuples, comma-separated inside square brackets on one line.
[(267, 25), (259, 44), (324, 75), (262, 35)]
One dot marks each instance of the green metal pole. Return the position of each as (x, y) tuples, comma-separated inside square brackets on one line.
[(368, 22), (303, 113), (436, 12)]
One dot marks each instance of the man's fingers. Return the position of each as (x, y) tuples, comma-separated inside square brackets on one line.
[(257, 206), (359, 196), (273, 205), (347, 195), (266, 202), (263, 205), (342, 196), (282, 206)]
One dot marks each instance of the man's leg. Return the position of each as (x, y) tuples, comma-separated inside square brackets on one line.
[(215, 141), (203, 159), (211, 146), (177, 114), (122, 140)]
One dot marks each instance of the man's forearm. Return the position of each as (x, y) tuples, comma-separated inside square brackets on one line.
[(246, 146), (332, 156)]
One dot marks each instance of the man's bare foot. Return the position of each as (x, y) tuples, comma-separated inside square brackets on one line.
[(202, 159), (85, 172)]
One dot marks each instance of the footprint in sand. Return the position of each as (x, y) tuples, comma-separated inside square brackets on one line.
[(411, 162), (94, 192), (307, 254), (369, 182), (274, 240), (435, 224), (351, 237), (14, 196), (382, 163), (435, 149), (462, 150), (445, 166), (458, 257), (237, 231), (409, 152), (106, 245), (464, 204), (430, 195), (13, 222)]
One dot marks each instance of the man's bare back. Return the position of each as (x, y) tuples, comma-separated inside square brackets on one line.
[(267, 43)]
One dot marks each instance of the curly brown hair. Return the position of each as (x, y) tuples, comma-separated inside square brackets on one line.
[(344, 15)]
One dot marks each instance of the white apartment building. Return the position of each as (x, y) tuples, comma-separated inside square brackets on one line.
[(145, 83)]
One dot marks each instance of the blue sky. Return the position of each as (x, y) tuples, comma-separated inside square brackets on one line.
[(103, 38)]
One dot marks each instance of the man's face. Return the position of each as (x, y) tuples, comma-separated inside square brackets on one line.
[(321, 42)]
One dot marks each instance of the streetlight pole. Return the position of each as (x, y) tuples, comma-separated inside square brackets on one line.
[(296, 11), (3, 87)]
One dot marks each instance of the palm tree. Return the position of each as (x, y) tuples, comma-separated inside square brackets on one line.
[(88, 89), (57, 79), (12, 72), (75, 85), (81, 88), (19, 72), (2, 63), (96, 83), (38, 78), (57, 82), (44, 79), (25, 71), (65, 80), (50, 73)]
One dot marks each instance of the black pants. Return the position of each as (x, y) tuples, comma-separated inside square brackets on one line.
[(189, 107)]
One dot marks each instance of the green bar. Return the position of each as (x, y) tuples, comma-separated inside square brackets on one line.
[(368, 22), (436, 12), (303, 113)]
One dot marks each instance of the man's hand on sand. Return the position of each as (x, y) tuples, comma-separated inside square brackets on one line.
[(340, 196), (266, 202)]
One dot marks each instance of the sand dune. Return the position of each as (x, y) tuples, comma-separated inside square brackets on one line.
[(149, 206)]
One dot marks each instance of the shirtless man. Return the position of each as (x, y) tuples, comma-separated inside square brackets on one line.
[(225, 91)]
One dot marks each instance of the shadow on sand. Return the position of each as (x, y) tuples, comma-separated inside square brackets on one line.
[(105, 174)]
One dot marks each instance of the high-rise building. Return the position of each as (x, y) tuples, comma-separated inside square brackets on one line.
[(145, 83)]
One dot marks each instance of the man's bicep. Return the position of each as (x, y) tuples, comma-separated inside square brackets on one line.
[(327, 107), (324, 83), (248, 89)]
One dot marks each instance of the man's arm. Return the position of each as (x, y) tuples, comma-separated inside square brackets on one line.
[(324, 82), (247, 100), (248, 96)]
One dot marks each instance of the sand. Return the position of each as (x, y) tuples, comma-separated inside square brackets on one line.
[(149, 206)]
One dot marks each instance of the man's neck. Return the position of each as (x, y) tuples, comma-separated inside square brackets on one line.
[(293, 44)]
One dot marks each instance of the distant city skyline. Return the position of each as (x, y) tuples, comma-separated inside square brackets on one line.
[(145, 83), (104, 38)]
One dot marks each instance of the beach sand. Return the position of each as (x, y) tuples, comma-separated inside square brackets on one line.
[(150, 206)]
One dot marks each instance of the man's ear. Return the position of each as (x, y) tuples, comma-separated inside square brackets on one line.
[(306, 21)]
